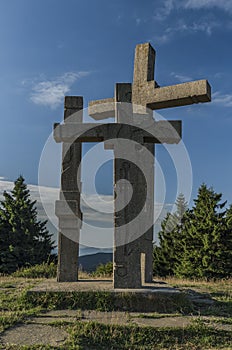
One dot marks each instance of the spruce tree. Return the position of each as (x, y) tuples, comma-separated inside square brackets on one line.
[(204, 241), (167, 253), (24, 239), (227, 244)]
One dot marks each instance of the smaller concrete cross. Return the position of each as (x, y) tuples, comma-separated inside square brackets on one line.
[(129, 245)]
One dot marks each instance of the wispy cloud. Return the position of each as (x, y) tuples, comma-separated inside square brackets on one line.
[(169, 6), (164, 11), (50, 92), (181, 78), (97, 218), (224, 100), (218, 75), (205, 26), (225, 5)]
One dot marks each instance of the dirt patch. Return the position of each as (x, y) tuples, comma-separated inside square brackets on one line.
[(31, 334), (49, 328)]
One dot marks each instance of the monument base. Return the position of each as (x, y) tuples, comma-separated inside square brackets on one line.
[(100, 295)]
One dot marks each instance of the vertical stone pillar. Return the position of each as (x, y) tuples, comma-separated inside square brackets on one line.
[(144, 72), (144, 64), (147, 238), (137, 253), (68, 207), (127, 269)]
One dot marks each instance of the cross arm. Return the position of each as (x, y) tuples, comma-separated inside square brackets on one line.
[(102, 109), (155, 132), (164, 132), (171, 96), (89, 132)]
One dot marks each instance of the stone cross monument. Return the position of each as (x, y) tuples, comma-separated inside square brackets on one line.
[(131, 107)]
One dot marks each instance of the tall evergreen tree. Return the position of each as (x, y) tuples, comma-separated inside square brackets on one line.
[(227, 244), (24, 240), (167, 253), (203, 241)]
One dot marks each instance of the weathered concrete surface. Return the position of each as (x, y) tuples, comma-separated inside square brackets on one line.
[(146, 92), (144, 64), (129, 246), (68, 208), (171, 96), (90, 295), (102, 109), (84, 285), (132, 251), (161, 131), (133, 259)]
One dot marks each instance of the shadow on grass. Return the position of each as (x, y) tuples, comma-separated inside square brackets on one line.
[(219, 309), (99, 336)]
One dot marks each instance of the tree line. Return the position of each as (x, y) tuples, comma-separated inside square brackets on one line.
[(193, 243), (196, 242), (24, 240)]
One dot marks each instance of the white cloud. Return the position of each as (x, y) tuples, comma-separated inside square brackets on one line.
[(225, 5), (181, 78), (204, 26), (218, 75), (170, 5), (97, 229), (51, 92), (224, 100), (165, 10)]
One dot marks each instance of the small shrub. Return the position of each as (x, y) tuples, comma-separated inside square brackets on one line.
[(104, 270), (44, 270)]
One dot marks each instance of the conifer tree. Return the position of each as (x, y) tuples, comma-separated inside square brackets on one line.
[(200, 245), (227, 244), (204, 242), (24, 240), (167, 253)]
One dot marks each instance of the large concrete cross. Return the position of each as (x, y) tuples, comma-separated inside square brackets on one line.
[(146, 92), (133, 259)]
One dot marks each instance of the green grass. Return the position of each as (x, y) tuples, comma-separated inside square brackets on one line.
[(157, 316), (107, 301), (13, 308), (17, 305), (44, 270), (98, 336)]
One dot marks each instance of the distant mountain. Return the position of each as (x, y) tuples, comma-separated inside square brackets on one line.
[(90, 262)]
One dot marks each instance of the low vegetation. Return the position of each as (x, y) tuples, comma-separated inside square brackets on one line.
[(44, 270), (15, 307), (97, 336), (104, 270)]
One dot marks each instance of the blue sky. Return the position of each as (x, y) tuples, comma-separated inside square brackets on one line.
[(52, 48)]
